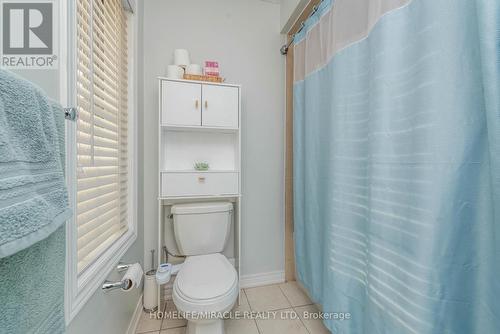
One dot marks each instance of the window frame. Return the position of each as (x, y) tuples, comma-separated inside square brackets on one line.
[(80, 287)]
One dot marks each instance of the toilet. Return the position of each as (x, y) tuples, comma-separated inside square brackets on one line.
[(207, 284)]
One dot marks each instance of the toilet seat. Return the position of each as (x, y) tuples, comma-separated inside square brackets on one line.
[(206, 283)]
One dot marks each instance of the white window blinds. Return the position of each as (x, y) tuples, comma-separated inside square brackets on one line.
[(102, 154)]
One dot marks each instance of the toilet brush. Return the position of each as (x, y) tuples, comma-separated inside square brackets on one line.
[(150, 299)]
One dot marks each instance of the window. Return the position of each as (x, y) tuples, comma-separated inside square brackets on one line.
[(101, 143), (102, 150)]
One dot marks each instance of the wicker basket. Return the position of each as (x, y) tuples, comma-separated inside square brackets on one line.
[(203, 78)]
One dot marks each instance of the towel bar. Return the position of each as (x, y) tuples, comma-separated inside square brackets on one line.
[(70, 114)]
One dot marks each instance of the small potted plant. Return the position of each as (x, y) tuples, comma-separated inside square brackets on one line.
[(201, 166)]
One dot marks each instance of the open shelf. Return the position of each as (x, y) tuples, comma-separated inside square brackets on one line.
[(180, 150)]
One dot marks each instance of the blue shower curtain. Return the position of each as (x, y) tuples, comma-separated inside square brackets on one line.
[(397, 166)]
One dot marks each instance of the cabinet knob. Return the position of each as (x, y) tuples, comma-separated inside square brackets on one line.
[(201, 179), (196, 104), (206, 104)]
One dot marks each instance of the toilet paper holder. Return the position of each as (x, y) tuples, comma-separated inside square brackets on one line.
[(109, 285), (123, 284), (122, 267)]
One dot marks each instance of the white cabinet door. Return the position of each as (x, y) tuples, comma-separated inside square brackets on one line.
[(220, 106), (180, 103)]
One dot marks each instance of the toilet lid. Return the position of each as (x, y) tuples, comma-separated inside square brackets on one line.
[(206, 276)]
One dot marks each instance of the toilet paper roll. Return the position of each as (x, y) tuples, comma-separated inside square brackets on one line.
[(133, 276), (194, 69), (175, 72), (181, 57)]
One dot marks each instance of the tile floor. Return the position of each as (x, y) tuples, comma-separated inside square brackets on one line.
[(287, 299)]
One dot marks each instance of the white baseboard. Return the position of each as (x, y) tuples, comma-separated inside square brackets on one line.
[(132, 326), (273, 277)]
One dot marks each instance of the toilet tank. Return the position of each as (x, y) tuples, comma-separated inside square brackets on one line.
[(202, 228)]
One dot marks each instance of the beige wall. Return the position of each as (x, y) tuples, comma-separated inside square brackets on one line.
[(244, 36)]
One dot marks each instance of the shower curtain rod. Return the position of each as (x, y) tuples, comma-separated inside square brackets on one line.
[(284, 48)]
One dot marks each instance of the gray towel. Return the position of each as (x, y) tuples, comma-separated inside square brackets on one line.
[(33, 196)]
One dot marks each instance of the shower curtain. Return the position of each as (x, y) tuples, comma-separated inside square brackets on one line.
[(397, 165)]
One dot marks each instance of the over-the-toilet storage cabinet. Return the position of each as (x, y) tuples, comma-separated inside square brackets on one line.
[(199, 122)]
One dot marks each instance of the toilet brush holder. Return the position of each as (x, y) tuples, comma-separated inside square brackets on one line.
[(150, 298)]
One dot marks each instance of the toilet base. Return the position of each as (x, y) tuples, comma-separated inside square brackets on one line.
[(214, 326)]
